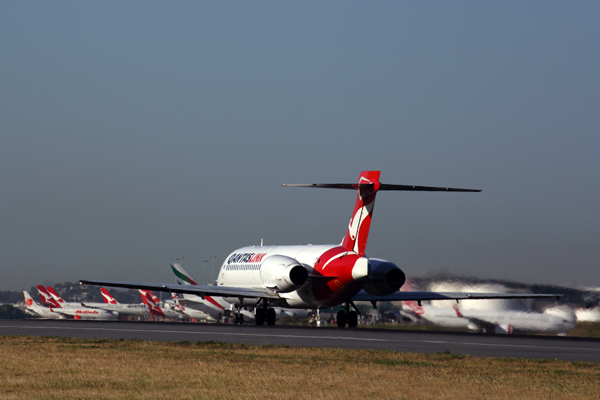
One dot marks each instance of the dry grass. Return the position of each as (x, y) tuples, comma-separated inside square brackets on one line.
[(59, 368)]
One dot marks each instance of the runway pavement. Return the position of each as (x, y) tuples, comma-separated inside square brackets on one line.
[(522, 346)]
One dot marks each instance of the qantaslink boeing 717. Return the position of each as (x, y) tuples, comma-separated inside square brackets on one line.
[(317, 276)]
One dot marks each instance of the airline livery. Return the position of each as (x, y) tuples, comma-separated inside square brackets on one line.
[(57, 305), (37, 310), (317, 276), (111, 304)]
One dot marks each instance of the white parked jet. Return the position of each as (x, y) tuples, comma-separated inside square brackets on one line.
[(153, 304), (316, 276), (216, 305), (111, 304), (34, 308), (489, 321), (72, 310), (188, 311)]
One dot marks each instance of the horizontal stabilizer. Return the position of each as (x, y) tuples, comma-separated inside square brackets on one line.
[(382, 186)]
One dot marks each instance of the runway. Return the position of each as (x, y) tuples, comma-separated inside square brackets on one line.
[(521, 346)]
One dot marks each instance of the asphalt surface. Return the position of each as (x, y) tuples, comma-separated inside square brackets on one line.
[(521, 346)]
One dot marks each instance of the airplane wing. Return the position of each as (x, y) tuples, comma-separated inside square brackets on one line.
[(200, 290), (419, 296)]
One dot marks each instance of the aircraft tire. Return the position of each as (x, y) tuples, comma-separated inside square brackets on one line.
[(352, 319), (259, 316), (271, 316), (341, 319)]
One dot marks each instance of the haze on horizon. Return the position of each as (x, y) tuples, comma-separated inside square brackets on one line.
[(134, 133)]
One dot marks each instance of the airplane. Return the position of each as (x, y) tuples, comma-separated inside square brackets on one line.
[(47, 299), (506, 322), (153, 306), (317, 276), (36, 309), (189, 312), (111, 304), (217, 305), (214, 306), (71, 310)]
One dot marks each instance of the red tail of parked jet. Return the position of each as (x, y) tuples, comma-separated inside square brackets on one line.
[(47, 299), (152, 305), (108, 299), (55, 296)]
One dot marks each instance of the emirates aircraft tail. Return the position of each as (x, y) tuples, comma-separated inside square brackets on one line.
[(368, 185), (108, 299), (182, 275)]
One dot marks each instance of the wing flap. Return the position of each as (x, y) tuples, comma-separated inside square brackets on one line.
[(200, 290)]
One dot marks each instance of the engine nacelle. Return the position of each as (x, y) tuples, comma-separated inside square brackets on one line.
[(385, 277), (282, 274)]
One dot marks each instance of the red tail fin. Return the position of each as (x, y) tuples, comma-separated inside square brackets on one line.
[(108, 299), (358, 229), (458, 312), (55, 295), (46, 298), (154, 298), (149, 301)]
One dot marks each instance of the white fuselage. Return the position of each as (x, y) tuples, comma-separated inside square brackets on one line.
[(242, 268), (86, 313), (502, 321), (522, 321), (42, 312), (135, 310)]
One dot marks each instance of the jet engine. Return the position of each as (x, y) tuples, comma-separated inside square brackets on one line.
[(282, 274), (385, 277)]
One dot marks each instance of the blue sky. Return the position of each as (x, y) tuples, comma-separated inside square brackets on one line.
[(137, 132)]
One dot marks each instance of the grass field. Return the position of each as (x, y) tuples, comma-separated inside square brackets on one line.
[(65, 368)]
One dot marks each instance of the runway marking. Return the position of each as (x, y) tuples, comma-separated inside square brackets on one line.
[(311, 337)]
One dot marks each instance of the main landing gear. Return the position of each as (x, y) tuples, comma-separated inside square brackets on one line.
[(238, 318), (265, 313), (348, 317)]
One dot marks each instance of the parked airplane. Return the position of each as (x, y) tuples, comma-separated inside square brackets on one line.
[(153, 304), (72, 310), (316, 276), (111, 304), (189, 312), (218, 304), (47, 299), (34, 308), (215, 306), (489, 321)]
